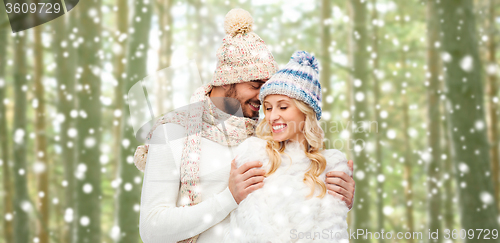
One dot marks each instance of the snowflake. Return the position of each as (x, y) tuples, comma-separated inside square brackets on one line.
[(207, 218), (103, 159), (26, 206), (491, 69), (80, 171), (391, 134), (87, 188), (19, 136), (117, 113), (463, 185), (388, 210), (486, 198), (38, 167), (383, 114), (90, 142), (357, 83), (72, 132), (479, 125), (467, 63), (463, 167), (84, 221), (125, 143), (127, 186), (360, 175), (360, 96), (115, 232)]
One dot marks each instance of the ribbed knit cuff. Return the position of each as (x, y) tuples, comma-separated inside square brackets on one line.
[(231, 75), (227, 200)]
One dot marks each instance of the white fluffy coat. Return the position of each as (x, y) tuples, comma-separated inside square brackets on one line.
[(280, 210)]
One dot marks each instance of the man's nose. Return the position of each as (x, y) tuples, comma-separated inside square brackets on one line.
[(256, 95)]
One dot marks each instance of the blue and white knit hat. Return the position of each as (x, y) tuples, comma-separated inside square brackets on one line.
[(299, 79)]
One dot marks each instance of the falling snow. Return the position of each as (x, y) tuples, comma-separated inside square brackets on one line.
[(87, 188), (391, 134), (467, 63), (84, 221), (486, 198)]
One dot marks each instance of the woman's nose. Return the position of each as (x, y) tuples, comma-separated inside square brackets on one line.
[(274, 116)]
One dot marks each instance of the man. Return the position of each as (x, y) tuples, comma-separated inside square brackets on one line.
[(189, 186)]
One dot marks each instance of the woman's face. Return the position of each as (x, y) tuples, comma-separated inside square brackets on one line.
[(284, 118)]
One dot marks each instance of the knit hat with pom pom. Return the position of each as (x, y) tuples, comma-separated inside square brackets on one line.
[(299, 79), (243, 56)]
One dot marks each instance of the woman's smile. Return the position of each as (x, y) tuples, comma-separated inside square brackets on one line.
[(279, 127)]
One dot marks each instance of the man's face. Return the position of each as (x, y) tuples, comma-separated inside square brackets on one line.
[(247, 94)]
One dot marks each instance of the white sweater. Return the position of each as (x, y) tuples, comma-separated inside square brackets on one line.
[(161, 218), (280, 211)]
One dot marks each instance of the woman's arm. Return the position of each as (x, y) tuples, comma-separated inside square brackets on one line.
[(160, 219)]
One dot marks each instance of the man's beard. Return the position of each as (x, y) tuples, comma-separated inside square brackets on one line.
[(233, 103)]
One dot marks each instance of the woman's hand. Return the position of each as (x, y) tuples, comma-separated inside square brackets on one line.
[(245, 179), (340, 185)]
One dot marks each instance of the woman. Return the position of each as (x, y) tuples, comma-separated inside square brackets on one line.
[(293, 204)]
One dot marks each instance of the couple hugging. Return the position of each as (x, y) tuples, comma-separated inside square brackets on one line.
[(214, 176)]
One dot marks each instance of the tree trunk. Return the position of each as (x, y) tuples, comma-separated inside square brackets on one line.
[(41, 162), (130, 190), (197, 33), (360, 78), (4, 142), (433, 121), (165, 54), (122, 26), (407, 171), (88, 170), (467, 116), (325, 75), (378, 134), (448, 204), (65, 58), (22, 203), (492, 90)]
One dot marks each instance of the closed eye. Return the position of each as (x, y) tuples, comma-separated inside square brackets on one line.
[(283, 108)]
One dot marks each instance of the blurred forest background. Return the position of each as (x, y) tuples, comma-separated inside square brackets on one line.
[(414, 83)]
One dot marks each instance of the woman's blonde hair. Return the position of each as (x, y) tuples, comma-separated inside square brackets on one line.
[(314, 145)]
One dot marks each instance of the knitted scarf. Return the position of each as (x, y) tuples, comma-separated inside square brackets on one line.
[(201, 119)]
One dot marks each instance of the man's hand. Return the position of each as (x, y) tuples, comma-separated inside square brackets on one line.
[(340, 185), (246, 179)]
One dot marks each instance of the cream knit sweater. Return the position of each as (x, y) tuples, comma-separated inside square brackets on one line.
[(161, 218)]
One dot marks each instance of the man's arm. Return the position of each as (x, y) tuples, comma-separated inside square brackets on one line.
[(341, 185), (160, 219)]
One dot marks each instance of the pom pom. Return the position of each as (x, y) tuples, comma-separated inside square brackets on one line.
[(238, 21), (304, 58), (140, 157)]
